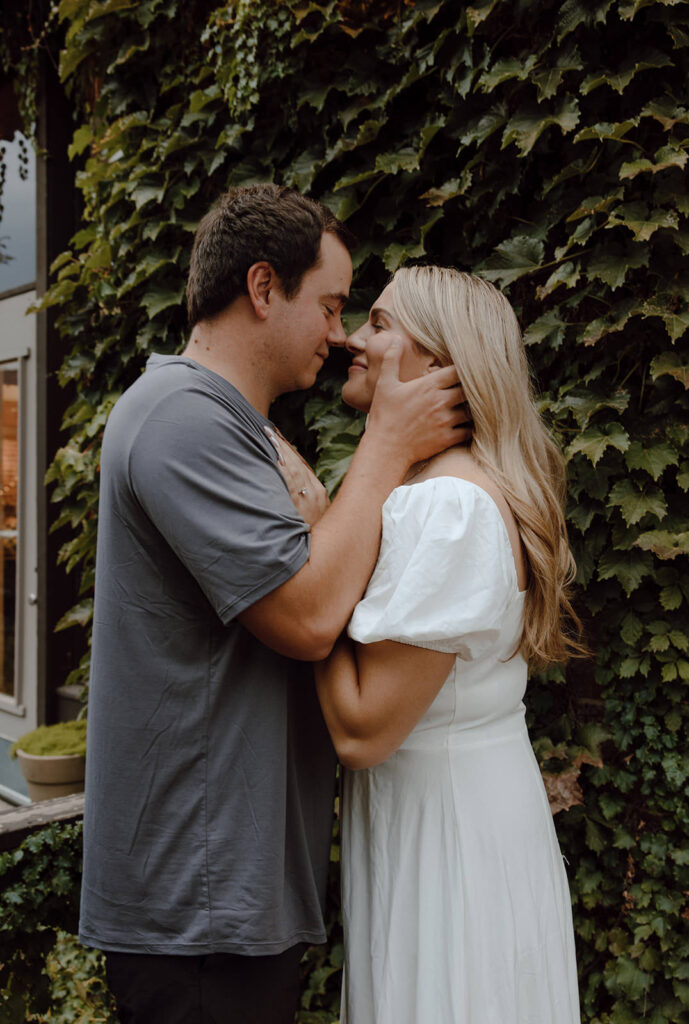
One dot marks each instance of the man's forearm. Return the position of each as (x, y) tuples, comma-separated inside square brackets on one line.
[(345, 541), (304, 616)]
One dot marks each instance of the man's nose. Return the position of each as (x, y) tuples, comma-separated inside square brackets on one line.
[(336, 335)]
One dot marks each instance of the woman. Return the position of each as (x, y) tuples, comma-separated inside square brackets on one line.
[(455, 900)]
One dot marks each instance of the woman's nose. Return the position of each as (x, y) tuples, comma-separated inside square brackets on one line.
[(355, 342)]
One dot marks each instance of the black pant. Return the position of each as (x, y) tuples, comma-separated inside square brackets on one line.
[(217, 989)]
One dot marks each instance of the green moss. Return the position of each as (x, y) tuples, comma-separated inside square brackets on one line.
[(63, 738)]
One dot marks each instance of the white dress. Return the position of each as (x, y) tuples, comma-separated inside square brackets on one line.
[(456, 906)]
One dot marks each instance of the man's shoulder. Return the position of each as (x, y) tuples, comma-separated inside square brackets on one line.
[(183, 392), (180, 413), (171, 375)]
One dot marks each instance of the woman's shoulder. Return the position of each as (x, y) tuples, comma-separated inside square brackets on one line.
[(457, 468)]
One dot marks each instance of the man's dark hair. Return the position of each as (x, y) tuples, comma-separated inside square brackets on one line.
[(249, 225)]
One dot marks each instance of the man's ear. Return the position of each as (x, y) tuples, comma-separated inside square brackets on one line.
[(261, 280)]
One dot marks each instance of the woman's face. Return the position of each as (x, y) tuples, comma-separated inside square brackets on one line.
[(369, 344)]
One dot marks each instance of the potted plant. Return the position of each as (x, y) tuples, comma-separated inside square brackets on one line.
[(53, 759)]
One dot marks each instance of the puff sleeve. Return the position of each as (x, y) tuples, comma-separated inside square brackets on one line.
[(445, 573)]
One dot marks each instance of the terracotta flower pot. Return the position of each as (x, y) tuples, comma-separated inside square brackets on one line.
[(51, 775)]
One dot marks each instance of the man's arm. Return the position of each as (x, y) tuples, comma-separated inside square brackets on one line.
[(408, 422)]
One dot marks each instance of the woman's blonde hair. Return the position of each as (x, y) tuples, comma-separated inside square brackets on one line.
[(465, 320)]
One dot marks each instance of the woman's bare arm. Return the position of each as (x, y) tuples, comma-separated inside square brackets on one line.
[(372, 695)]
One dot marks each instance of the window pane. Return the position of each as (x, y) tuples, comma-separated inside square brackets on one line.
[(18, 217), (9, 468)]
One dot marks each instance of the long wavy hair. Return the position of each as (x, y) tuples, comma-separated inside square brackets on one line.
[(465, 320)]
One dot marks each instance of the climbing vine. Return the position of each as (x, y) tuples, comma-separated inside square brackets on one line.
[(542, 144)]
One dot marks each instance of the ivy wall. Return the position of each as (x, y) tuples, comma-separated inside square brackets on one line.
[(542, 144)]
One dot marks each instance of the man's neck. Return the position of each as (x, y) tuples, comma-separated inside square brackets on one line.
[(240, 362)]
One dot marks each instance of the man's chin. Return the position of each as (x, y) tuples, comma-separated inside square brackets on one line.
[(304, 383)]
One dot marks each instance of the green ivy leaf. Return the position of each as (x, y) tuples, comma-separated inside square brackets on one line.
[(641, 221), (671, 364), (664, 544), (630, 9), (82, 138), (449, 190), (653, 457), (595, 440), (671, 598), (567, 274), (673, 721), (678, 639), (614, 131), (585, 404), (476, 15), (594, 204), (404, 159), (666, 157), (620, 79), (666, 111), (526, 128), (513, 259), (611, 265), (635, 504), (676, 321), (632, 629), (548, 327), (504, 70), (397, 253), (573, 14), (614, 321), (158, 299), (479, 130), (626, 567), (549, 78)]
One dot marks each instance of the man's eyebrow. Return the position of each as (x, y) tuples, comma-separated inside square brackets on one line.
[(339, 297)]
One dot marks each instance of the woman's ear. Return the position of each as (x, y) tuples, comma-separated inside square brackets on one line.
[(260, 281), (434, 363)]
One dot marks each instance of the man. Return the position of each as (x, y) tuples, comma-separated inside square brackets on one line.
[(210, 772)]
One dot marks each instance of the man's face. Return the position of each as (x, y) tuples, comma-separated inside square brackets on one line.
[(310, 322), (369, 344)]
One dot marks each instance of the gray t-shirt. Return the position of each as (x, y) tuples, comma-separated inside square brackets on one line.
[(210, 773)]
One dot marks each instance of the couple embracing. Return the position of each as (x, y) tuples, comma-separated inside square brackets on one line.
[(224, 578)]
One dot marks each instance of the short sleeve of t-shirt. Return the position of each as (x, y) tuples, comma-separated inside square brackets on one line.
[(206, 475)]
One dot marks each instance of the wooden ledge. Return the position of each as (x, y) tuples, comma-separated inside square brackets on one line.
[(17, 824)]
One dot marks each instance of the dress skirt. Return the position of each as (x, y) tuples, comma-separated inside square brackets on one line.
[(456, 903)]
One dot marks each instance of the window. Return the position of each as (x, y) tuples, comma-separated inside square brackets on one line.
[(18, 217)]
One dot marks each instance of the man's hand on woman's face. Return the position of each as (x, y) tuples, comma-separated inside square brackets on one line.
[(423, 416), (306, 491)]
